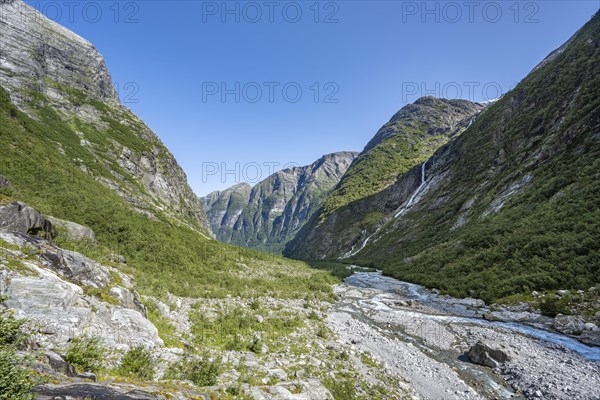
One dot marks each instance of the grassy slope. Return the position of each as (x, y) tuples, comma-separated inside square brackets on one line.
[(413, 143), (546, 237), (163, 254)]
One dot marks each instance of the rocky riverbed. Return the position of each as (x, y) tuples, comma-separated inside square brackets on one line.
[(423, 339)]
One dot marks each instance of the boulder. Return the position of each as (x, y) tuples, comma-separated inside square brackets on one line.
[(75, 267), (4, 182), (525, 317), (490, 354), (591, 338), (18, 217), (569, 324), (128, 299), (90, 391), (73, 230), (590, 327), (60, 365), (278, 374)]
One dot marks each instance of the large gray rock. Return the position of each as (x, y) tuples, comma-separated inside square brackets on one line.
[(76, 267), (59, 364), (310, 389), (73, 230), (591, 338), (569, 324), (84, 391), (490, 354), (524, 317), (18, 217)]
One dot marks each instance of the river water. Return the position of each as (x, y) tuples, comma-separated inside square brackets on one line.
[(442, 327)]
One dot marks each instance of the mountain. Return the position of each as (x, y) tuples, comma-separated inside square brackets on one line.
[(70, 150), (56, 77), (266, 216), (360, 201), (104, 248), (509, 206)]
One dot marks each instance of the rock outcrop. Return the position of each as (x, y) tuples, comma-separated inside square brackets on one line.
[(569, 324), (64, 295), (18, 217), (269, 214), (73, 230)]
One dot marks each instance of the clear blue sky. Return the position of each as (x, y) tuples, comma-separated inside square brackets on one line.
[(377, 55)]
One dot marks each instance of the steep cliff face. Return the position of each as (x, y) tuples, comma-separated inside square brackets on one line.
[(361, 201), (223, 208), (268, 215), (58, 78), (512, 204)]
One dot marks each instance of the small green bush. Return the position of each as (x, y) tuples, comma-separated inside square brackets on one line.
[(341, 389), (16, 379), (138, 362), (551, 306), (10, 329), (203, 371), (86, 353)]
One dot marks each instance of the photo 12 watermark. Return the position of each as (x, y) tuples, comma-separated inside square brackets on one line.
[(254, 12), (237, 172), (118, 12), (452, 12), (270, 92), (472, 91)]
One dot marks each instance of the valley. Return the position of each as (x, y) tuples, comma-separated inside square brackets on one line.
[(457, 256)]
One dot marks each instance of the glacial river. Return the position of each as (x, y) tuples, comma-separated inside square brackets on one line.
[(440, 329)]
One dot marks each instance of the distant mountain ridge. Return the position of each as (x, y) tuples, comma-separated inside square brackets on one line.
[(269, 214)]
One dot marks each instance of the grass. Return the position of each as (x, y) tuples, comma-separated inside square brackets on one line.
[(239, 329)]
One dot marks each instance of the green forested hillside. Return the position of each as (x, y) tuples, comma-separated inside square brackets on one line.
[(518, 208), (50, 170)]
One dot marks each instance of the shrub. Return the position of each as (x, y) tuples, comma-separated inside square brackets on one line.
[(203, 371), (86, 353), (551, 306), (257, 345), (341, 389), (138, 362), (10, 329), (16, 380)]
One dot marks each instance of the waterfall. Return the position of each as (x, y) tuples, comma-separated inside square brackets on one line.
[(353, 252), (412, 198)]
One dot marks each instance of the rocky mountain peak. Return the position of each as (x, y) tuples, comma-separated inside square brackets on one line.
[(267, 215), (39, 55)]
